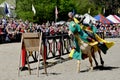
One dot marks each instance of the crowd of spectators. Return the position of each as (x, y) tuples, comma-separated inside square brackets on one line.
[(109, 30), (11, 29)]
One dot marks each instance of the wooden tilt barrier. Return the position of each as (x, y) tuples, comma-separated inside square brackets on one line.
[(51, 46), (31, 42)]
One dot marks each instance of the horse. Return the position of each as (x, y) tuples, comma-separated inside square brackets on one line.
[(88, 51)]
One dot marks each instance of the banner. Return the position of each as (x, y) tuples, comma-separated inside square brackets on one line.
[(6, 8), (89, 9), (56, 12), (33, 9)]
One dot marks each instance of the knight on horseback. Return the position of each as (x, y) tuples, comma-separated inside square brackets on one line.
[(82, 35)]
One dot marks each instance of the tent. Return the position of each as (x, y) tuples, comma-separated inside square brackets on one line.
[(88, 19), (102, 19), (12, 3), (60, 23), (7, 9), (118, 18), (113, 18)]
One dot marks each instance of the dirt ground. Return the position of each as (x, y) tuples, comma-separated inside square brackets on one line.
[(65, 70)]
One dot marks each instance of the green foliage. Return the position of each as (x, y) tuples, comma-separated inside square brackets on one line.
[(25, 15), (1, 1), (45, 9), (83, 6), (65, 6)]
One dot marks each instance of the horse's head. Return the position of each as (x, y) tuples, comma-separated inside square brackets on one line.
[(71, 29), (74, 32)]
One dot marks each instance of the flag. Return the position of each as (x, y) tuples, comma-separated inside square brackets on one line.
[(73, 11), (89, 9), (33, 9), (6, 8), (56, 13), (103, 10)]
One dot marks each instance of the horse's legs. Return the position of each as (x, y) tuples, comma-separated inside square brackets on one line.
[(90, 60), (78, 66), (93, 55), (101, 60)]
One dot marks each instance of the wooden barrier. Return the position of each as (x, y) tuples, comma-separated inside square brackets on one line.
[(52, 46), (32, 42), (56, 45)]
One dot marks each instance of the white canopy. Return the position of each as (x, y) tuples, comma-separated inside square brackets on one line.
[(118, 18), (88, 18), (60, 23), (10, 8), (11, 3), (113, 19)]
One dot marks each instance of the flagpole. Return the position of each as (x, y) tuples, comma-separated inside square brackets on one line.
[(32, 10), (104, 10), (55, 20), (56, 14), (33, 14)]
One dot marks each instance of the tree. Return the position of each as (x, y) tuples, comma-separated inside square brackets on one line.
[(83, 6), (23, 9), (45, 9)]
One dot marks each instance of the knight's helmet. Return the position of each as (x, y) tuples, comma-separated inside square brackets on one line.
[(71, 15)]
